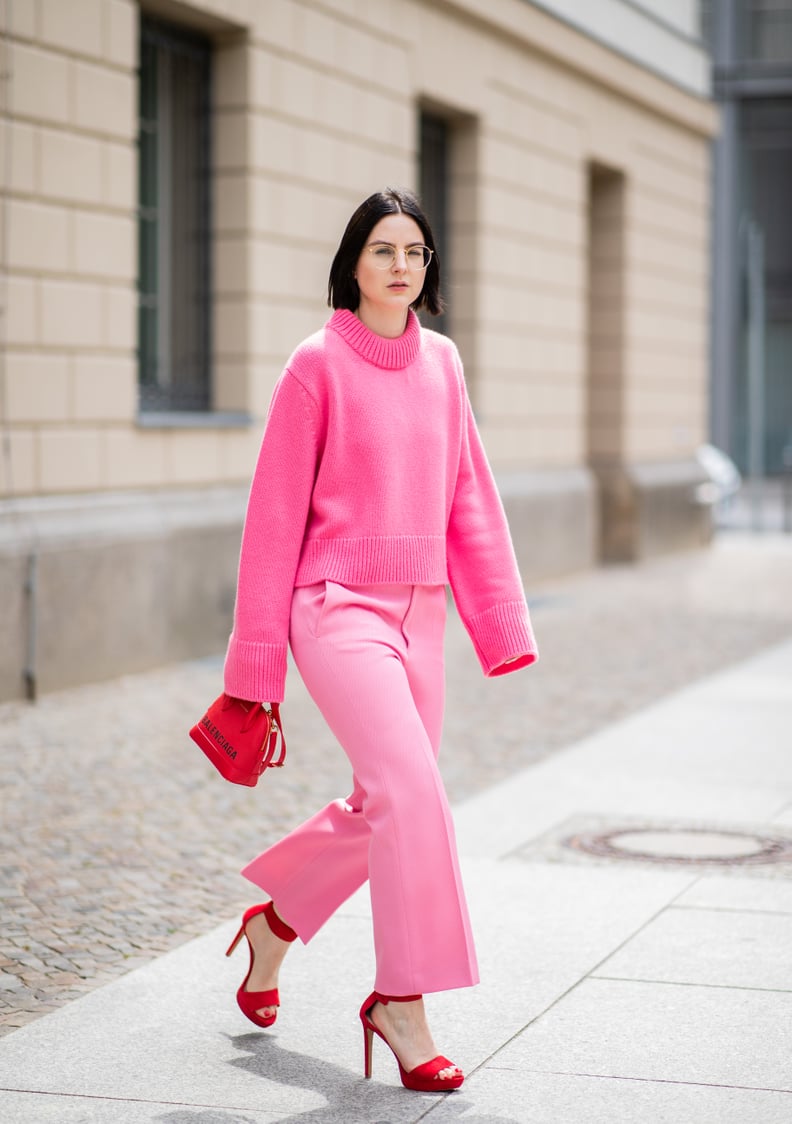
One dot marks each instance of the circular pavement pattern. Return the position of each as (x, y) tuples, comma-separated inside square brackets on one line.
[(697, 845)]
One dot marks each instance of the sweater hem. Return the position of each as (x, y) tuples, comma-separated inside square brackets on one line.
[(402, 559)]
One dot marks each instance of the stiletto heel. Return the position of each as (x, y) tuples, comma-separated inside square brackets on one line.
[(250, 1002), (425, 1077), (368, 1042)]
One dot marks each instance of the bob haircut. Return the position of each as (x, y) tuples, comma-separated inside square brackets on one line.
[(342, 288)]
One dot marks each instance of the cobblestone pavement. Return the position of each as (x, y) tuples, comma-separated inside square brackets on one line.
[(118, 841)]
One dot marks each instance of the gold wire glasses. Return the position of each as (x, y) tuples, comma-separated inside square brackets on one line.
[(384, 255)]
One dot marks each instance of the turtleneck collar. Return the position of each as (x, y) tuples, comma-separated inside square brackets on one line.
[(382, 352)]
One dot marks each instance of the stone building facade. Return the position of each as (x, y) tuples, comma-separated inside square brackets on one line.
[(175, 177)]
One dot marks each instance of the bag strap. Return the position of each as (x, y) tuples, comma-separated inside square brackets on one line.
[(276, 727)]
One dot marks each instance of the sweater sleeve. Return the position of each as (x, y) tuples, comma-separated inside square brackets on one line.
[(280, 496), (482, 567)]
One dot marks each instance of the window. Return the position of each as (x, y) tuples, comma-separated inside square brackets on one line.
[(767, 30), (705, 19), (434, 191), (174, 316), (766, 177)]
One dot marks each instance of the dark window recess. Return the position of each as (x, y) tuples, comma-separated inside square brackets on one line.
[(766, 27), (434, 191), (174, 344)]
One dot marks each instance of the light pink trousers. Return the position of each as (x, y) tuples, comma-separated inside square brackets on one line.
[(372, 658)]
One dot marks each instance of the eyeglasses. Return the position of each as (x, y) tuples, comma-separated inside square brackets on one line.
[(384, 255)]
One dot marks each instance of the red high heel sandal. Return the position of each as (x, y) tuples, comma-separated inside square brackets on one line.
[(425, 1077), (250, 1002)]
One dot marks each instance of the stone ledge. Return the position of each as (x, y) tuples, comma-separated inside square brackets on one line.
[(648, 509), (46, 523)]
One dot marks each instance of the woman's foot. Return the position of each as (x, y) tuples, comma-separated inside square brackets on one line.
[(268, 937), (406, 1030), (268, 953)]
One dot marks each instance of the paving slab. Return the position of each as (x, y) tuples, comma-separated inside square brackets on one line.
[(48, 1108), (784, 817), (495, 1096), (540, 929), (662, 1032), (714, 891), (723, 948)]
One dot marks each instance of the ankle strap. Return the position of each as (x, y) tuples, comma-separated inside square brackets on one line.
[(278, 927), (395, 998)]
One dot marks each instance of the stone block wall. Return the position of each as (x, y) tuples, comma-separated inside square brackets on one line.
[(582, 322)]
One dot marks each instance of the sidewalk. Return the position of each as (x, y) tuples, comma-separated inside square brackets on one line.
[(615, 989), (110, 858)]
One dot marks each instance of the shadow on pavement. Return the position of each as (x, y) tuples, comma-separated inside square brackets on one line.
[(347, 1099)]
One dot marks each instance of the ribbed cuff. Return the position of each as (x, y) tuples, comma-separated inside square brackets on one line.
[(255, 671), (500, 634)]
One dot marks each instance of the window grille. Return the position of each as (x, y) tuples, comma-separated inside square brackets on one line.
[(174, 344)]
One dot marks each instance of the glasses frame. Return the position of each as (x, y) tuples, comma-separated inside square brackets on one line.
[(428, 253)]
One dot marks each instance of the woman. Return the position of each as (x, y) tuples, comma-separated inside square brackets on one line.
[(371, 492)]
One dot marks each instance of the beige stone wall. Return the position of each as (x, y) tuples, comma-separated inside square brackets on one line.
[(581, 318), (315, 106), (68, 179)]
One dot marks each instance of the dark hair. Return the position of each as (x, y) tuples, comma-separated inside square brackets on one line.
[(342, 288)]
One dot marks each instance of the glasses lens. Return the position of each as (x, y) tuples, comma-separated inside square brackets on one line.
[(382, 256), (418, 257)]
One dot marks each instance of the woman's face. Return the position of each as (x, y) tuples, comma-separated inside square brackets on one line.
[(396, 286)]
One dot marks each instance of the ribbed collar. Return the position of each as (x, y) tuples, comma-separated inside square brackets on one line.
[(388, 353)]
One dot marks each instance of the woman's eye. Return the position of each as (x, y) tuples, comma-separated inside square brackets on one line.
[(415, 254), (383, 252)]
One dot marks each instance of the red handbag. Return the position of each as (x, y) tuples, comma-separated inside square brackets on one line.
[(240, 738)]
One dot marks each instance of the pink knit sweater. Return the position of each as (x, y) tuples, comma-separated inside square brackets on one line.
[(371, 470)]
